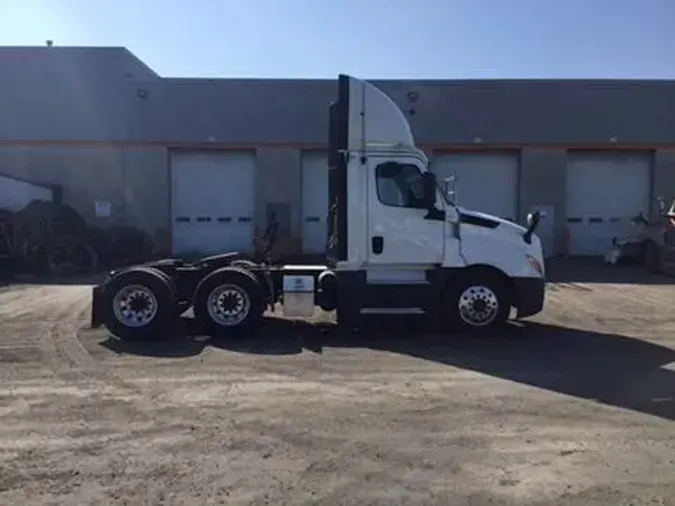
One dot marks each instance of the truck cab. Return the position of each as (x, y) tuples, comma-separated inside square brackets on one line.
[(397, 241)]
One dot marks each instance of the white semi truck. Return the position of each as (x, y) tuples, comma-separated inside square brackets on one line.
[(397, 245)]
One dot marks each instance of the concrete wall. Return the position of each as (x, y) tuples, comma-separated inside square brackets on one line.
[(136, 181), (542, 184), (279, 181), (147, 197), (133, 180)]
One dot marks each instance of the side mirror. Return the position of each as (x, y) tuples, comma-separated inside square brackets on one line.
[(531, 219), (532, 222), (429, 180)]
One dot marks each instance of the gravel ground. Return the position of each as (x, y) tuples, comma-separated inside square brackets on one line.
[(574, 407)]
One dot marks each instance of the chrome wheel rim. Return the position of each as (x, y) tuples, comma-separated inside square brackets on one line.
[(478, 306), (228, 305), (135, 306)]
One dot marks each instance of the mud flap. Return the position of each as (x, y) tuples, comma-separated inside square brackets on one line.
[(96, 301)]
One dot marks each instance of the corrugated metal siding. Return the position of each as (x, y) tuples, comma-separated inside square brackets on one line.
[(543, 112), (499, 112), (242, 111), (89, 62), (71, 94), (79, 97)]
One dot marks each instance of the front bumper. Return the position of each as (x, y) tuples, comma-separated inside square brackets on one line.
[(96, 306), (529, 295)]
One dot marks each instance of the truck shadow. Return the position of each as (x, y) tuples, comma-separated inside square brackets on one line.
[(608, 368)]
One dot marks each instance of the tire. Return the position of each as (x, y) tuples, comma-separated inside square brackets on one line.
[(231, 286), (476, 303), (153, 290), (248, 265)]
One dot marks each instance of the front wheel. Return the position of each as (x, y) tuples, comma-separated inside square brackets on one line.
[(477, 302)]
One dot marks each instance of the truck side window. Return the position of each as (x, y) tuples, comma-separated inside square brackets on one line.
[(400, 185)]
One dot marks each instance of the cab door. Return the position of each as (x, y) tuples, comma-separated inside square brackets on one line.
[(400, 230)]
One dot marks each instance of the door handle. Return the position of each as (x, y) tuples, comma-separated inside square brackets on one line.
[(377, 242)]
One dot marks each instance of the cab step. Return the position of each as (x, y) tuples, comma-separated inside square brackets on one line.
[(403, 296), (392, 311)]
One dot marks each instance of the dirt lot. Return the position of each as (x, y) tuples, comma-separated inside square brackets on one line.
[(574, 407)]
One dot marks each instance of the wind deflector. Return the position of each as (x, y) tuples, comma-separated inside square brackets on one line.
[(338, 136), (339, 123)]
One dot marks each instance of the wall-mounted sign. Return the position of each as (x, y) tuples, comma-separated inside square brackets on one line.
[(103, 209)]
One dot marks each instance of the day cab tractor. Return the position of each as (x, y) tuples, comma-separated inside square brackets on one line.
[(397, 244)]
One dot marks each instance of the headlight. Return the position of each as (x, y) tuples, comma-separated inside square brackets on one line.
[(535, 264)]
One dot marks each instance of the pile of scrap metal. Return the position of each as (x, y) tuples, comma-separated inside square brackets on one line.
[(122, 245), (653, 244), (48, 238)]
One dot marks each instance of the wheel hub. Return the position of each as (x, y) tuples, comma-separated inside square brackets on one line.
[(478, 306), (135, 306), (228, 305), (139, 304)]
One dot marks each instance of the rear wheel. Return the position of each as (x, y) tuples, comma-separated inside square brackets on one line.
[(228, 301), (476, 303), (138, 303), (250, 265)]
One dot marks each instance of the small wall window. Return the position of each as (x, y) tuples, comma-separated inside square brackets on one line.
[(400, 185)]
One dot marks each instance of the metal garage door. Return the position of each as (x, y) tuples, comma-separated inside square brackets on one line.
[(212, 202), (485, 182), (604, 191), (314, 201)]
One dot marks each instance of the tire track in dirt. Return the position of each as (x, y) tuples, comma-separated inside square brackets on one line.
[(61, 314), (66, 356)]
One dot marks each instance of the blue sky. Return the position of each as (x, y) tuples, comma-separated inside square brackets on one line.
[(368, 38)]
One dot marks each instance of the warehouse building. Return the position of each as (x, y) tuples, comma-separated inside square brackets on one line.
[(201, 164)]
